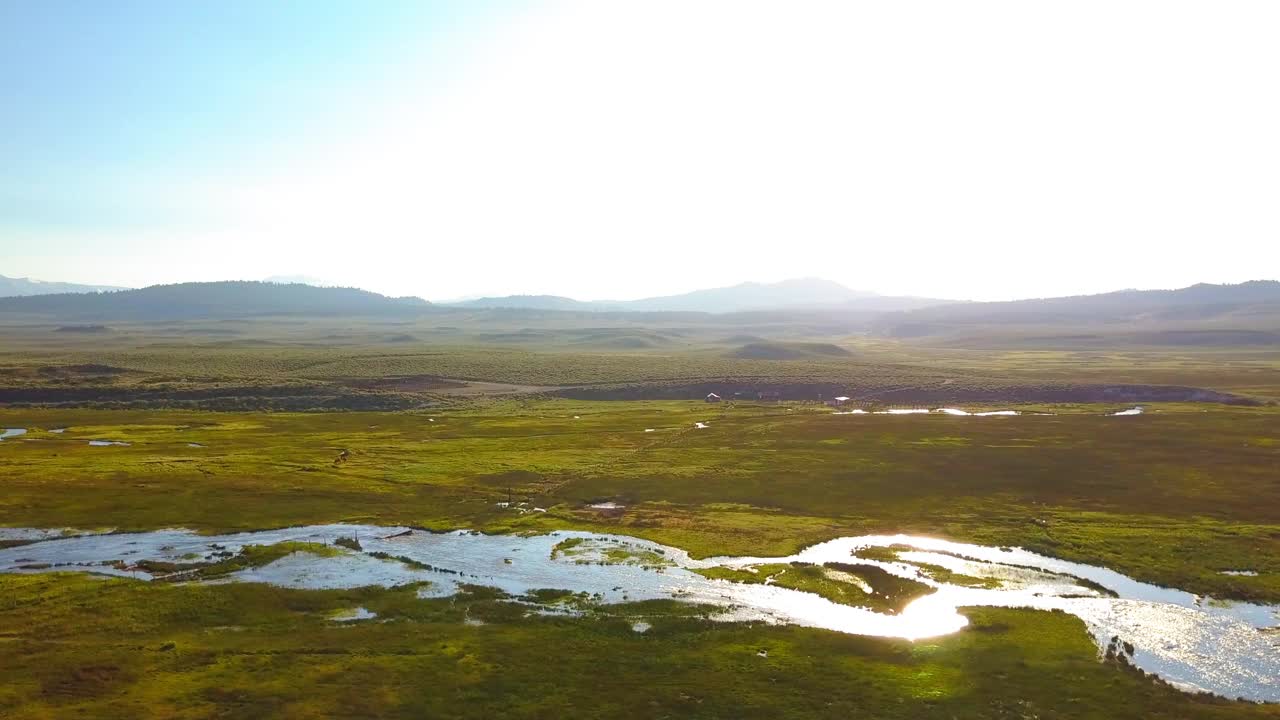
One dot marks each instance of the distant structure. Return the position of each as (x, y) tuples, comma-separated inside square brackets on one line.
[(769, 395), (837, 401), (712, 397)]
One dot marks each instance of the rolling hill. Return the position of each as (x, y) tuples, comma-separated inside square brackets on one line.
[(1204, 314)]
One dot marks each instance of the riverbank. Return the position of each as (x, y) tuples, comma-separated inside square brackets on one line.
[(89, 647)]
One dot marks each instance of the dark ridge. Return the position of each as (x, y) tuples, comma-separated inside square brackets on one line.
[(83, 329), (282, 397), (1229, 313), (788, 351)]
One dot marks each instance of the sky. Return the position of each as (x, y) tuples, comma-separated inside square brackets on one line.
[(614, 149)]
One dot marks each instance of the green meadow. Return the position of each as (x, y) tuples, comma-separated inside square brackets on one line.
[(1173, 496), (76, 646)]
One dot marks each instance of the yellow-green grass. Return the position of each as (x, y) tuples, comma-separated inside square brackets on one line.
[(76, 646), (1250, 371), (854, 584), (1174, 496), (150, 368)]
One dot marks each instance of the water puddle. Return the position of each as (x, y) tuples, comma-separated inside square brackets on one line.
[(354, 614), (700, 425), (940, 411), (107, 443), (1130, 411), (194, 445), (606, 506), (1240, 573), (1188, 640), (12, 432)]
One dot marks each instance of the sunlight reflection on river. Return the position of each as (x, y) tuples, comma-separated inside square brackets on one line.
[(1195, 644)]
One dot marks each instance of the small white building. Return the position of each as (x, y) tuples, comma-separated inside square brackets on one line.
[(837, 401), (712, 397)]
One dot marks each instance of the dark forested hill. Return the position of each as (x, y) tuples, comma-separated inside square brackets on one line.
[(212, 299)]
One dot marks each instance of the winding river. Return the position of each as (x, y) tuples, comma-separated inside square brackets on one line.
[(1195, 643)]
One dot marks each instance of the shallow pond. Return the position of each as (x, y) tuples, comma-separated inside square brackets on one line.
[(1193, 642), (12, 432), (958, 412), (936, 411)]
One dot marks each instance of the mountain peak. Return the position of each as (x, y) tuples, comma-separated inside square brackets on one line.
[(807, 292), (795, 292)]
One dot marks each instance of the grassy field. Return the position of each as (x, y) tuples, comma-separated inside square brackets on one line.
[(82, 647), (373, 379), (1174, 496), (1253, 372), (349, 363)]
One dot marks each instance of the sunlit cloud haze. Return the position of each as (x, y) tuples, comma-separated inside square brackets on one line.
[(622, 149)]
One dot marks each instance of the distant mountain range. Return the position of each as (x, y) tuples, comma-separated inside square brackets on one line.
[(529, 302), (22, 287), (1248, 313), (806, 293)]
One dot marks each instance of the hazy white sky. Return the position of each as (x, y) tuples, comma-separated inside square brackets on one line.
[(622, 149)]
